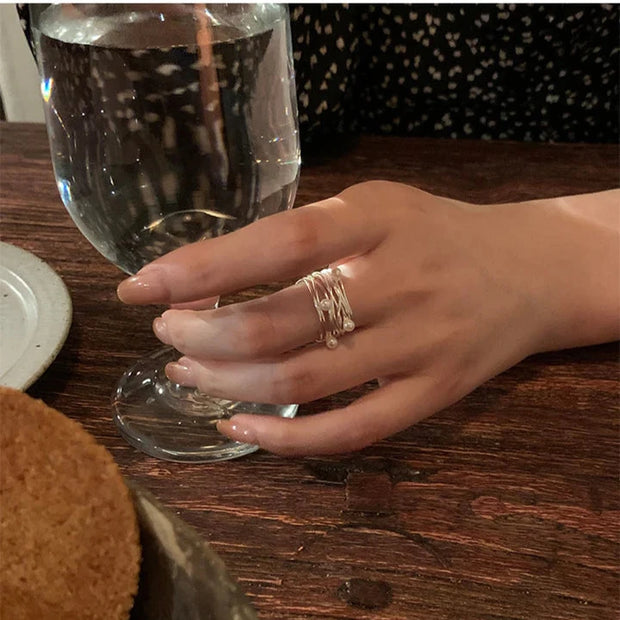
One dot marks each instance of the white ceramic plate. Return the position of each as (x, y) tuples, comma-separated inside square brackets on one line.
[(35, 316)]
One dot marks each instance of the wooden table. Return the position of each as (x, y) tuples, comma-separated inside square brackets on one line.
[(506, 505)]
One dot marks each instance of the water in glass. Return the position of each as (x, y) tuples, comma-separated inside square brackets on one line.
[(158, 140)]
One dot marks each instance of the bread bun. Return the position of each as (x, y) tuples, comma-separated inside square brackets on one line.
[(69, 541)]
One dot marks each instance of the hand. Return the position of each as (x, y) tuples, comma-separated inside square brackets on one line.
[(444, 296)]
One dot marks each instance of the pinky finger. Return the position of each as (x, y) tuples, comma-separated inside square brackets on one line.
[(381, 413)]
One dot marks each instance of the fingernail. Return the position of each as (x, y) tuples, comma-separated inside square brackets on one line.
[(146, 287), (180, 372), (160, 328), (237, 431)]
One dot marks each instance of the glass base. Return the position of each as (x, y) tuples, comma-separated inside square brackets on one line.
[(174, 423)]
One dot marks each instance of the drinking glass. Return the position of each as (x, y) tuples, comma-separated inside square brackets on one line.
[(169, 124)]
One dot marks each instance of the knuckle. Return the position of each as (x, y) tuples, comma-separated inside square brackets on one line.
[(243, 340), (374, 197), (255, 335), (358, 437), (302, 234), (292, 383), (367, 188)]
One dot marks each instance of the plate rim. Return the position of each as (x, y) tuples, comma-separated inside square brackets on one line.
[(57, 317)]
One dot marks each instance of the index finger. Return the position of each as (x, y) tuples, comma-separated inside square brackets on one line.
[(279, 247)]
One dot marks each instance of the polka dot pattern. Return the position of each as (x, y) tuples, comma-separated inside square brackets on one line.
[(506, 71)]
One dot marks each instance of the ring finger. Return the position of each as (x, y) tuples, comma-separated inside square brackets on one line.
[(262, 327)]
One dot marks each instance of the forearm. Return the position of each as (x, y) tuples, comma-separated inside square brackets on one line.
[(573, 250)]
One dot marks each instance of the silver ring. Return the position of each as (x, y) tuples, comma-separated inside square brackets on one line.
[(331, 305)]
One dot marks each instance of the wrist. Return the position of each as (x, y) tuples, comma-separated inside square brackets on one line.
[(570, 259)]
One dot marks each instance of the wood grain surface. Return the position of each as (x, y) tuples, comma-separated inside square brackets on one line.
[(505, 505)]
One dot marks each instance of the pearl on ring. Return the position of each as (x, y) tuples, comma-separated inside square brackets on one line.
[(331, 304)]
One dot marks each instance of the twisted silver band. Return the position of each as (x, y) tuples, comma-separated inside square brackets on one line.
[(331, 305)]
